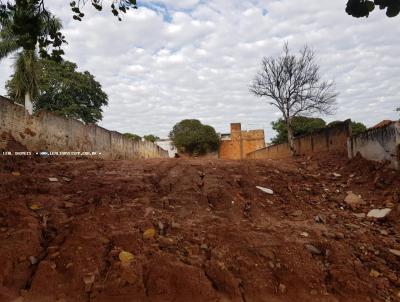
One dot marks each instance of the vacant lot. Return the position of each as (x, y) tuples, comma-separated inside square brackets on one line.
[(197, 230)]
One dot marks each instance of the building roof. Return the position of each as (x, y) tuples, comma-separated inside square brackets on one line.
[(382, 124)]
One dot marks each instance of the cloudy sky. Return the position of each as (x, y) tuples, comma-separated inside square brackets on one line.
[(177, 59)]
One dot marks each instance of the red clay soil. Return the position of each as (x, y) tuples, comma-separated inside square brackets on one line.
[(217, 237)]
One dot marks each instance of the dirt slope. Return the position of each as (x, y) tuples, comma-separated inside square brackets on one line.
[(216, 236)]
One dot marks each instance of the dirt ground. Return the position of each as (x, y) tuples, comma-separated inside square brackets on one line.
[(197, 230)]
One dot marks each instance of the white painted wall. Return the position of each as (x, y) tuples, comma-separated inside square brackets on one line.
[(378, 144), (166, 144)]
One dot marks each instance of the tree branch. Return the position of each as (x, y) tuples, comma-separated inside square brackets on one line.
[(293, 84)]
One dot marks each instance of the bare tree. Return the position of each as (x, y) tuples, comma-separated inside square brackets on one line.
[(293, 85)]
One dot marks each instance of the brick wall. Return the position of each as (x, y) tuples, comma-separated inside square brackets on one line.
[(229, 149), (331, 139), (46, 131), (241, 143)]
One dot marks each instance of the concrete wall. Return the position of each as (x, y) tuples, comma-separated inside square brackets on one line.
[(46, 131), (166, 144), (241, 143), (331, 139), (378, 144), (271, 152)]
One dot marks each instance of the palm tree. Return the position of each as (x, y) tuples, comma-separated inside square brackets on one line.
[(26, 66)]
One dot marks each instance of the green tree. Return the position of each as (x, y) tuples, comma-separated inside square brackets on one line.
[(192, 137), (301, 126), (362, 8), (356, 127), (132, 136), (34, 25), (65, 91), (151, 138), (117, 7), (31, 27), (14, 37)]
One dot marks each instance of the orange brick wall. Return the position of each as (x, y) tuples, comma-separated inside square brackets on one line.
[(230, 149), (252, 141), (241, 143)]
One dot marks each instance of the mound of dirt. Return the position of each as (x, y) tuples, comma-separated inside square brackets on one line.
[(197, 230)]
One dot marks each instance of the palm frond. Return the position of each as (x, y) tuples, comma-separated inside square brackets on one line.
[(7, 47), (50, 24), (8, 41), (26, 71), (6, 33)]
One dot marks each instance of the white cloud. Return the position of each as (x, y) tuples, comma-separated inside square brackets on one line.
[(195, 59), (181, 4)]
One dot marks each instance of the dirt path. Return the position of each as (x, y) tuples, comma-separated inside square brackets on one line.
[(197, 230)]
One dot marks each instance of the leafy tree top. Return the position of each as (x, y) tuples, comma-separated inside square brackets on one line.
[(306, 125), (31, 25), (65, 91), (117, 7), (190, 136), (362, 8), (151, 138), (132, 136), (34, 25), (301, 126), (356, 127)]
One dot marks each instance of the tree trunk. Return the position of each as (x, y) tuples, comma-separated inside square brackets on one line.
[(28, 103), (290, 138)]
